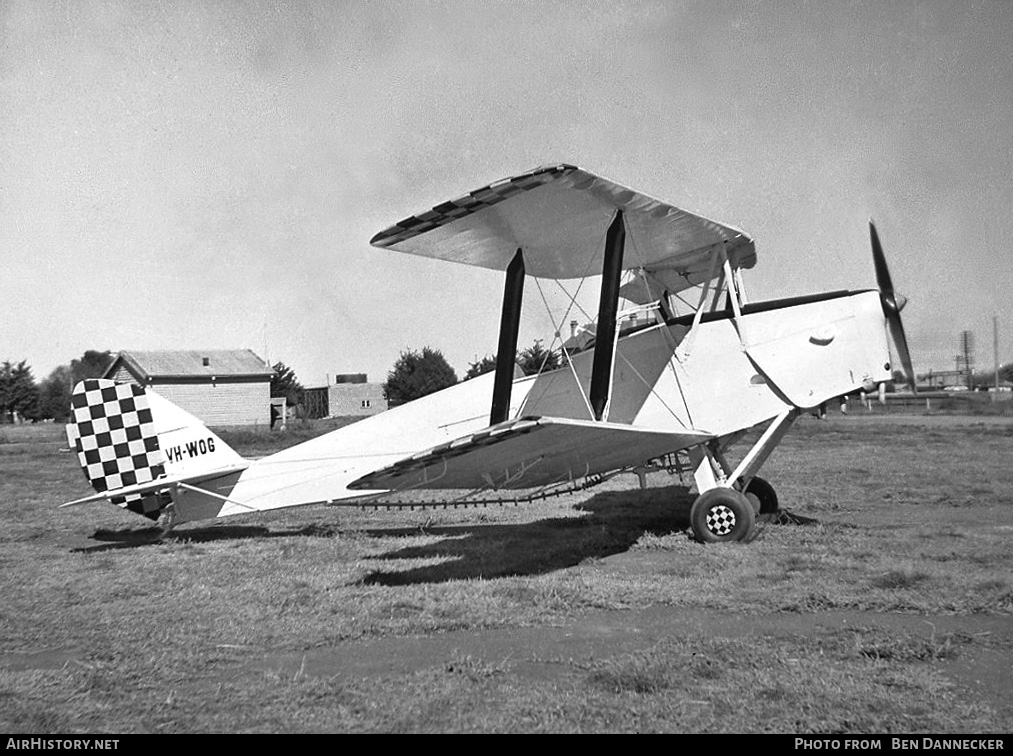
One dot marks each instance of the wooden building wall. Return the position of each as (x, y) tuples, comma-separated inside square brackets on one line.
[(220, 403)]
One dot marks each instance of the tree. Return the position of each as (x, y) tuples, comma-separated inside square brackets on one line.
[(416, 374), (93, 364), (485, 365), (531, 360), (19, 396), (54, 394), (537, 358), (55, 389), (284, 383)]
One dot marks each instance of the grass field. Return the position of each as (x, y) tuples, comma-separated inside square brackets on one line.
[(591, 612)]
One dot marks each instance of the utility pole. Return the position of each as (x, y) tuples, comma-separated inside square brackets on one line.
[(965, 360), (995, 348)]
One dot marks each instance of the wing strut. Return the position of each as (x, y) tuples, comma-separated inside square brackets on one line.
[(608, 307), (509, 324)]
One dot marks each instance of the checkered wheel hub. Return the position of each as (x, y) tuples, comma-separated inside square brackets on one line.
[(113, 433), (720, 520)]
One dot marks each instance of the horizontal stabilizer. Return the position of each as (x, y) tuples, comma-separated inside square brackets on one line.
[(154, 486), (558, 215), (529, 453)]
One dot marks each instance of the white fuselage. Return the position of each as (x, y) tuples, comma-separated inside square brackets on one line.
[(723, 375)]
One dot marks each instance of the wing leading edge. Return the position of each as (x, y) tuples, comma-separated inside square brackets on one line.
[(558, 215), (529, 453)]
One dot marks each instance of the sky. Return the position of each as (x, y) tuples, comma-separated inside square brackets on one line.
[(189, 175)]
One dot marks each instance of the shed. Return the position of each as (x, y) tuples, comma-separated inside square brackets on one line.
[(351, 395), (219, 386)]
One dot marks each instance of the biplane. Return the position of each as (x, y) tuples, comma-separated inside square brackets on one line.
[(685, 370)]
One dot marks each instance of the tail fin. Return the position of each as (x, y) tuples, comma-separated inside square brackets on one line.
[(126, 437)]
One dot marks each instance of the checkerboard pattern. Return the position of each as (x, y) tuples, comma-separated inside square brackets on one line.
[(477, 200), (720, 520), (111, 429)]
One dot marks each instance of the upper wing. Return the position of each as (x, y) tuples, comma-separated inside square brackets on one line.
[(558, 215), (529, 453)]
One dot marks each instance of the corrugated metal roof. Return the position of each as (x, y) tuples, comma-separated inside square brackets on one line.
[(220, 362)]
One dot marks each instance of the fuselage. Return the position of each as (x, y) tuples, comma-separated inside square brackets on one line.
[(726, 373), (723, 375)]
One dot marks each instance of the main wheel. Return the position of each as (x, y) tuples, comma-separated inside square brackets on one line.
[(764, 494), (722, 514)]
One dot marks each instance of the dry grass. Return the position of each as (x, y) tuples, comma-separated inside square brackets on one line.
[(104, 627)]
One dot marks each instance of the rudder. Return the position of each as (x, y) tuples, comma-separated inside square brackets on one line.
[(125, 435), (112, 430)]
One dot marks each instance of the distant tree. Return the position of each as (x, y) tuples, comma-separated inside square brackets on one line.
[(284, 383), (985, 379), (531, 360), (416, 374), (93, 364), (485, 365), (54, 394), (18, 392), (537, 358), (26, 392), (54, 391)]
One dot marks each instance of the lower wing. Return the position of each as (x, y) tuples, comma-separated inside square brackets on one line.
[(529, 453)]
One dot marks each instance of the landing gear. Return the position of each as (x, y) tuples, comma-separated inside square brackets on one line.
[(721, 515), (167, 519), (724, 512), (762, 496)]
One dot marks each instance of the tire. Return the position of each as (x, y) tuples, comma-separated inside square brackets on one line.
[(765, 494), (722, 515)]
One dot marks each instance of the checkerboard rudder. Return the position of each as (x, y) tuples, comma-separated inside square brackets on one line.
[(113, 432)]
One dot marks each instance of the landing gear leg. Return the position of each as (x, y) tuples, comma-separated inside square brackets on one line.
[(730, 500), (167, 519), (762, 449)]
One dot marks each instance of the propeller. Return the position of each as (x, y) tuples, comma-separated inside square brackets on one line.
[(893, 303)]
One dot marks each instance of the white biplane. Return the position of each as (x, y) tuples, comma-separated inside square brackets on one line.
[(648, 389)]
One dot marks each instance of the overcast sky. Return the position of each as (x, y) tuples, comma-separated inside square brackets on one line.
[(181, 175)]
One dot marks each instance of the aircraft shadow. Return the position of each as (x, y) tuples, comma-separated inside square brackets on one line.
[(132, 538), (615, 520)]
